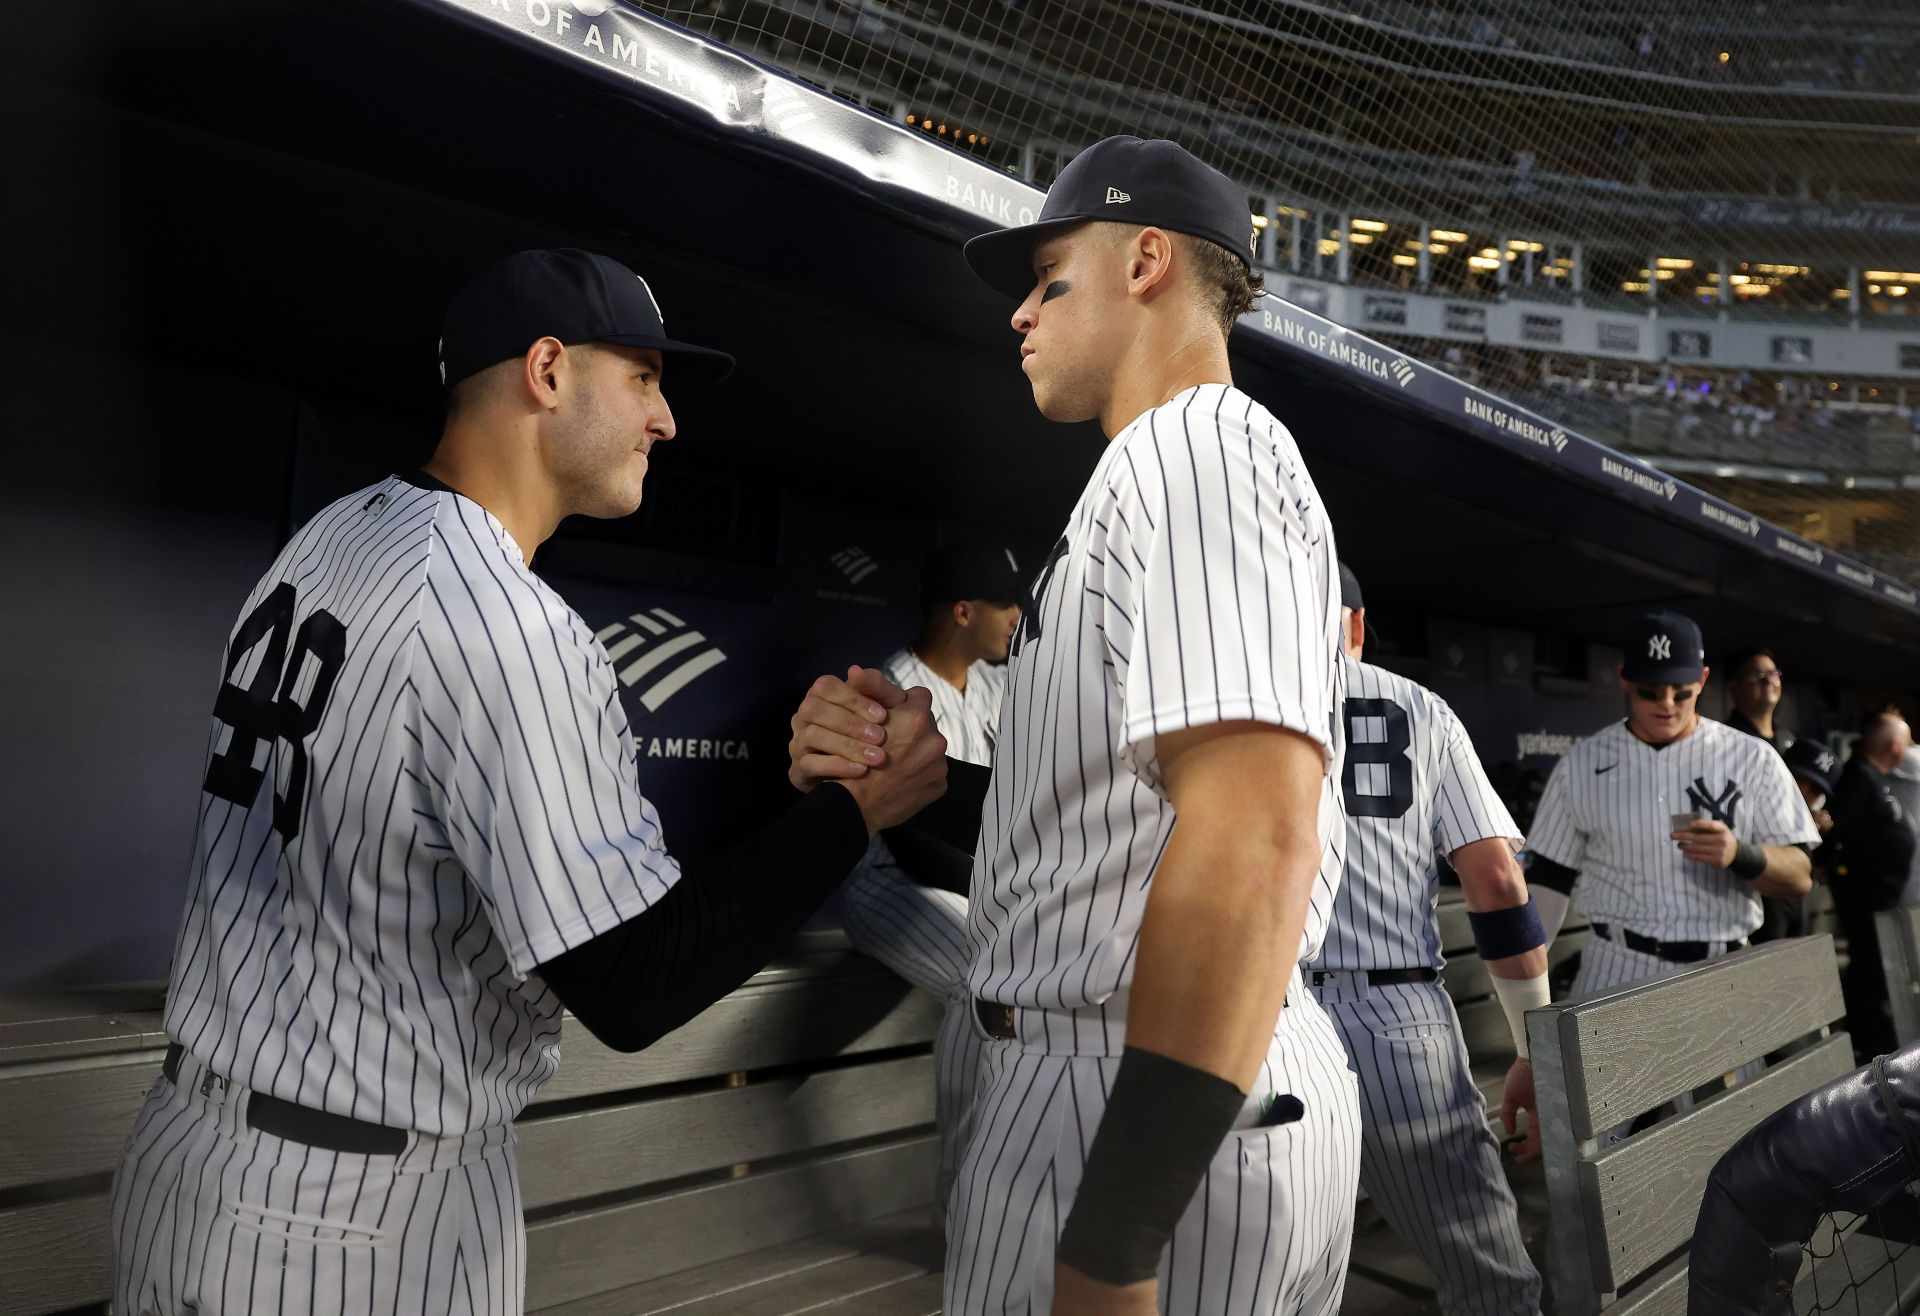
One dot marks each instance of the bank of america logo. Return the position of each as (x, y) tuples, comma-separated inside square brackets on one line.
[(854, 564), (1403, 372), (657, 652)]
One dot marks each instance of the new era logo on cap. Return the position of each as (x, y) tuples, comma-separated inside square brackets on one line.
[(1116, 197)]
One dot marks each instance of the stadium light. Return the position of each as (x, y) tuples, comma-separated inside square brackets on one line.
[(1632, 285), (1361, 239), (1898, 290), (1439, 248), (1370, 225), (1406, 260), (1260, 221), (1673, 263), (1447, 235), (1483, 262), (1488, 253), (1740, 280), (1873, 287)]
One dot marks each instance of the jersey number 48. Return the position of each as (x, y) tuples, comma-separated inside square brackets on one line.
[(265, 708)]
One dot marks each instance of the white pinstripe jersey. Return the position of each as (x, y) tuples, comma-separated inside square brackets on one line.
[(1414, 792), (421, 785), (970, 718), (1607, 811), (1195, 584)]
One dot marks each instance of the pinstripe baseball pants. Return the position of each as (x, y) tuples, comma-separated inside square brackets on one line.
[(1268, 1232), (1428, 1159), (211, 1216), (921, 934)]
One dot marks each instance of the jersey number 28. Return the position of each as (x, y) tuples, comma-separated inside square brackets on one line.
[(1378, 777), (265, 708)]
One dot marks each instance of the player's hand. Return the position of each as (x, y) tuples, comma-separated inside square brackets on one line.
[(1708, 841), (1822, 821), (1077, 1294), (1515, 1096), (839, 731), (915, 774)]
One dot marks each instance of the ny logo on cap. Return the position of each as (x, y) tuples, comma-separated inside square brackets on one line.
[(655, 300), (1660, 646), (1116, 197)]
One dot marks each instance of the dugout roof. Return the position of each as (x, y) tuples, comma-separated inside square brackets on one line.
[(298, 184)]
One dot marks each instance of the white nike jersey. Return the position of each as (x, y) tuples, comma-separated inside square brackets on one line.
[(420, 786), (1414, 792), (1195, 584), (1607, 811), (970, 718)]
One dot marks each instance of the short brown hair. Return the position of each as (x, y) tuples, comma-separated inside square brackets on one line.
[(1226, 283)]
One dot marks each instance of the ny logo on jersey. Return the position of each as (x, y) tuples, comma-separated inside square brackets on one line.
[(1719, 807), (1030, 615), (669, 655), (1660, 646)]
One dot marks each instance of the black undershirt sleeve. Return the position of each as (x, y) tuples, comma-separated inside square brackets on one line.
[(1542, 871), (935, 847), (728, 915)]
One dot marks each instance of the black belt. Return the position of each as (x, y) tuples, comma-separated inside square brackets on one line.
[(1675, 952), (1376, 977), (315, 1128), (996, 1020)]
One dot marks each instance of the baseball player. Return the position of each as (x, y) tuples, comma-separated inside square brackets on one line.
[(421, 837), (1155, 1132), (1674, 825), (1415, 793), (898, 907)]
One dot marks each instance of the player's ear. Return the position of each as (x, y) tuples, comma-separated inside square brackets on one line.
[(1149, 259), (963, 613), (546, 361)]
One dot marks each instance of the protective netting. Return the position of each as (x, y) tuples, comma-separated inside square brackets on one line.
[(1863, 1265), (1425, 166)]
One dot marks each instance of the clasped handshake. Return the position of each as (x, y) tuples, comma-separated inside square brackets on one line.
[(874, 738)]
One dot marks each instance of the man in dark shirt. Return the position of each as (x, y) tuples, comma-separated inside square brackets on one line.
[(1867, 856), (1755, 689)]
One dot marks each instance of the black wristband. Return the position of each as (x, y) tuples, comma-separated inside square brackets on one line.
[(1163, 1123), (1749, 861)]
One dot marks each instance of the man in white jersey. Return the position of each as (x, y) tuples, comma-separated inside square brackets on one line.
[(906, 903), (1155, 1132), (1416, 795), (1674, 825), (421, 836)]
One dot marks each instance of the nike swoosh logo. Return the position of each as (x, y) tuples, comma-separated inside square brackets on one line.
[(1601, 772)]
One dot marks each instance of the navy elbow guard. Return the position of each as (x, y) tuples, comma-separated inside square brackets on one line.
[(1501, 933)]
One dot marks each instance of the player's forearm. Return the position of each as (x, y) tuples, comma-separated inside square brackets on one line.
[(1217, 945), (729, 913), (1493, 883), (1788, 874)]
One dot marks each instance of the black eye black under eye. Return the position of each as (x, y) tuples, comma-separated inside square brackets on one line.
[(1058, 288)]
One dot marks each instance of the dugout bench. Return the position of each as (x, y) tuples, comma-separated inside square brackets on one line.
[(1622, 1215), (776, 1154)]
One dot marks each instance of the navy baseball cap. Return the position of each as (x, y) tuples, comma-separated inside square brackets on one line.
[(1813, 763), (1664, 648), (573, 295), (1128, 180), (1350, 595), (972, 571)]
